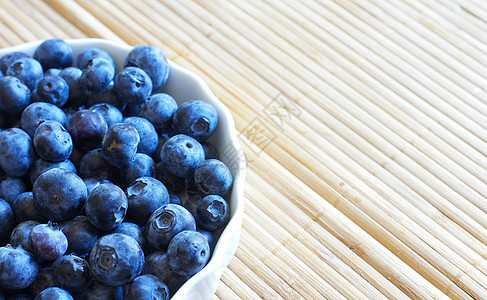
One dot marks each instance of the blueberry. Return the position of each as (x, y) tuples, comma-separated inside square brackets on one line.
[(133, 85), (212, 213), (93, 182), (52, 142), (210, 150), (28, 70), (77, 95), (19, 268), (174, 184), (54, 293), (11, 187), (136, 232), (166, 222), (90, 53), (48, 241), (145, 195), (181, 154), (44, 280), (147, 287), (213, 177), (116, 259), (120, 144), (210, 238), (93, 164), (152, 61), (41, 111), (20, 234), (8, 221), (188, 252), (159, 110), (52, 72), (87, 129), (14, 95), (40, 166), (81, 235), (54, 53), (148, 135), (71, 273), (157, 264), (196, 118), (175, 199), (24, 209), (111, 114), (59, 194), (141, 166), (99, 291), (9, 58), (97, 75), (52, 89), (106, 206), (17, 153)]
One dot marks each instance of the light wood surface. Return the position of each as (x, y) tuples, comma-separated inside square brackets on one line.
[(364, 123)]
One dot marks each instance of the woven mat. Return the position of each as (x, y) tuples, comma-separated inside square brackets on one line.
[(364, 123)]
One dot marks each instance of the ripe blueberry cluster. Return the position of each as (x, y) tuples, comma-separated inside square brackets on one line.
[(94, 163)]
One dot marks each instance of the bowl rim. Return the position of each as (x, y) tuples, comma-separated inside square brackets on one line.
[(226, 245)]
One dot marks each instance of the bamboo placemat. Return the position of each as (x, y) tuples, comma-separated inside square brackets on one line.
[(364, 123)]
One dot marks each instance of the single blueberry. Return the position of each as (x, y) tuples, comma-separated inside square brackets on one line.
[(44, 280), (141, 166), (52, 89), (145, 195), (14, 95), (71, 273), (91, 53), (111, 114), (213, 177), (24, 209), (8, 59), (20, 234), (212, 213), (196, 118), (97, 75), (59, 194), (159, 109), (48, 241), (136, 232), (147, 287), (157, 264), (17, 152), (188, 252), (116, 259), (81, 235), (8, 220), (54, 293), (28, 70), (77, 95), (40, 166), (120, 144), (106, 206), (19, 268), (87, 129), (174, 184), (181, 154), (54, 53), (152, 61), (52, 141), (149, 138), (166, 222), (93, 164), (133, 85), (11, 187), (41, 111)]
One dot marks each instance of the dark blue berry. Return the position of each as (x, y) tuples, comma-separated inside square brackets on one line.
[(52, 89), (181, 154), (133, 85), (141, 166), (71, 273), (20, 234), (166, 222), (54, 53), (152, 61), (24, 208), (116, 259), (91, 53), (196, 118), (81, 235), (19, 268), (11, 187), (213, 177), (174, 184), (188, 252), (97, 75), (16, 152), (7, 222), (157, 264), (87, 129), (120, 144), (8, 59), (28, 70), (145, 195), (52, 141), (212, 213), (77, 95), (48, 241), (159, 110), (147, 287), (40, 166), (106, 206), (111, 114), (149, 138), (54, 293), (41, 111), (59, 194), (14, 95), (93, 164)]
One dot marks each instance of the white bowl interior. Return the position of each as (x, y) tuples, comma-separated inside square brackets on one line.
[(184, 85)]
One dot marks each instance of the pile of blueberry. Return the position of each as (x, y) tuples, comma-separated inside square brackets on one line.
[(94, 164)]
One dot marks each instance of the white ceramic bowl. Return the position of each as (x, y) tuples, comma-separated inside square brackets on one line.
[(184, 85)]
